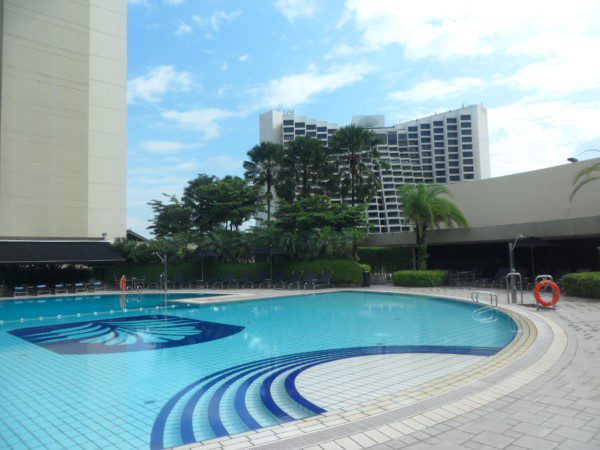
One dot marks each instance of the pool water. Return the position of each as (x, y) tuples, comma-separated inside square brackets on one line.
[(174, 375)]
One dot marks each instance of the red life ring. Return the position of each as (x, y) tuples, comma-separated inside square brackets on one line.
[(555, 289)]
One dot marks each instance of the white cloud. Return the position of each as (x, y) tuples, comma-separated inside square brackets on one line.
[(244, 58), (441, 29), (532, 135), (204, 120), (296, 89), (183, 29), (164, 146), (159, 81), (437, 89), (224, 66), (212, 24), (296, 9)]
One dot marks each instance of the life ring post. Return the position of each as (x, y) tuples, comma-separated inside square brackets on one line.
[(543, 282)]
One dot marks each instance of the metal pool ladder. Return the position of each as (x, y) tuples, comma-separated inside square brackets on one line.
[(485, 314)]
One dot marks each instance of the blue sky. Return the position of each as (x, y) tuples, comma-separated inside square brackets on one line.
[(201, 71)]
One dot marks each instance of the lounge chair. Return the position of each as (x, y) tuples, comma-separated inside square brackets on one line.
[(98, 286), (293, 281), (80, 287), (324, 281), (223, 282), (42, 289), (307, 279), (20, 290), (60, 288)]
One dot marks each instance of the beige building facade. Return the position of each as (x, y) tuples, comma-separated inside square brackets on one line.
[(534, 203), (63, 118)]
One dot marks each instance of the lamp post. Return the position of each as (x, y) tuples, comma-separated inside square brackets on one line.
[(163, 259)]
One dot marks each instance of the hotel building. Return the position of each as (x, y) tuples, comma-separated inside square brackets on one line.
[(63, 119), (442, 148)]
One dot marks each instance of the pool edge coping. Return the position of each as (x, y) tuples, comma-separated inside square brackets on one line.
[(542, 353)]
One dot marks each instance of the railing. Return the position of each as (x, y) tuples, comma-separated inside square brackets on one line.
[(514, 280), (492, 297)]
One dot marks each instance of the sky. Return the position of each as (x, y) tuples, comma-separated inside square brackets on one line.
[(201, 71)]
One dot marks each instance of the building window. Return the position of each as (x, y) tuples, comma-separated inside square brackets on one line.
[(467, 146), (438, 123), (465, 117), (438, 130), (425, 133), (392, 139), (463, 132), (425, 126), (425, 140), (454, 178), (426, 147), (288, 122), (454, 171), (300, 132), (453, 163), (466, 139), (452, 128), (412, 129), (469, 176), (453, 142), (300, 124), (438, 137), (321, 129), (288, 129), (467, 161), (438, 144), (451, 120), (467, 154), (413, 135)]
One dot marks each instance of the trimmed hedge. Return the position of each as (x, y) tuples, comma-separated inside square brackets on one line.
[(419, 278), (345, 271), (586, 284), (386, 259)]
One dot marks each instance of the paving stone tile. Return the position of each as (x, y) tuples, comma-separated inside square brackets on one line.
[(492, 439), (535, 443), (572, 433)]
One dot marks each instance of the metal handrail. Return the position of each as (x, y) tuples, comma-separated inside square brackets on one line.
[(492, 295), (518, 282), (542, 278)]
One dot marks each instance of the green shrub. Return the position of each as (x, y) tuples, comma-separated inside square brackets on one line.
[(420, 278), (345, 271), (586, 284), (386, 259)]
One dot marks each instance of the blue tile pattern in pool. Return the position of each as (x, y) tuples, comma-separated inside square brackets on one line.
[(289, 366), (52, 400), (125, 334)]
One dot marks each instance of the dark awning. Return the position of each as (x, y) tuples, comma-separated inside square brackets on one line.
[(58, 252)]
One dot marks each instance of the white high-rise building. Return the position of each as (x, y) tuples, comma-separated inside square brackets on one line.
[(63, 118), (443, 148)]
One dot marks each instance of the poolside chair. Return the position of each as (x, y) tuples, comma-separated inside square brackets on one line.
[(223, 282), (60, 288), (257, 282), (156, 285), (42, 289), (242, 281), (80, 287), (98, 286), (324, 281), (20, 290), (293, 281), (308, 278)]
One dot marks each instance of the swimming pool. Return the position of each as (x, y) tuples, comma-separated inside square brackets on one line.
[(166, 377)]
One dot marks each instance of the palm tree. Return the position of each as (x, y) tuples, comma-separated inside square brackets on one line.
[(306, 161), (585, 176), (424, 207), (262, 169), (355, 145)]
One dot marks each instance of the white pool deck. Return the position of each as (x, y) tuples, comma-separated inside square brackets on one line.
[(540, 392)]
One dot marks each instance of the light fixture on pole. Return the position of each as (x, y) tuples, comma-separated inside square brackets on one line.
[(163, 259)]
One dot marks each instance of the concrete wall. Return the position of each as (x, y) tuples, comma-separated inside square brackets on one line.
[(533, 203), (63, 118)]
